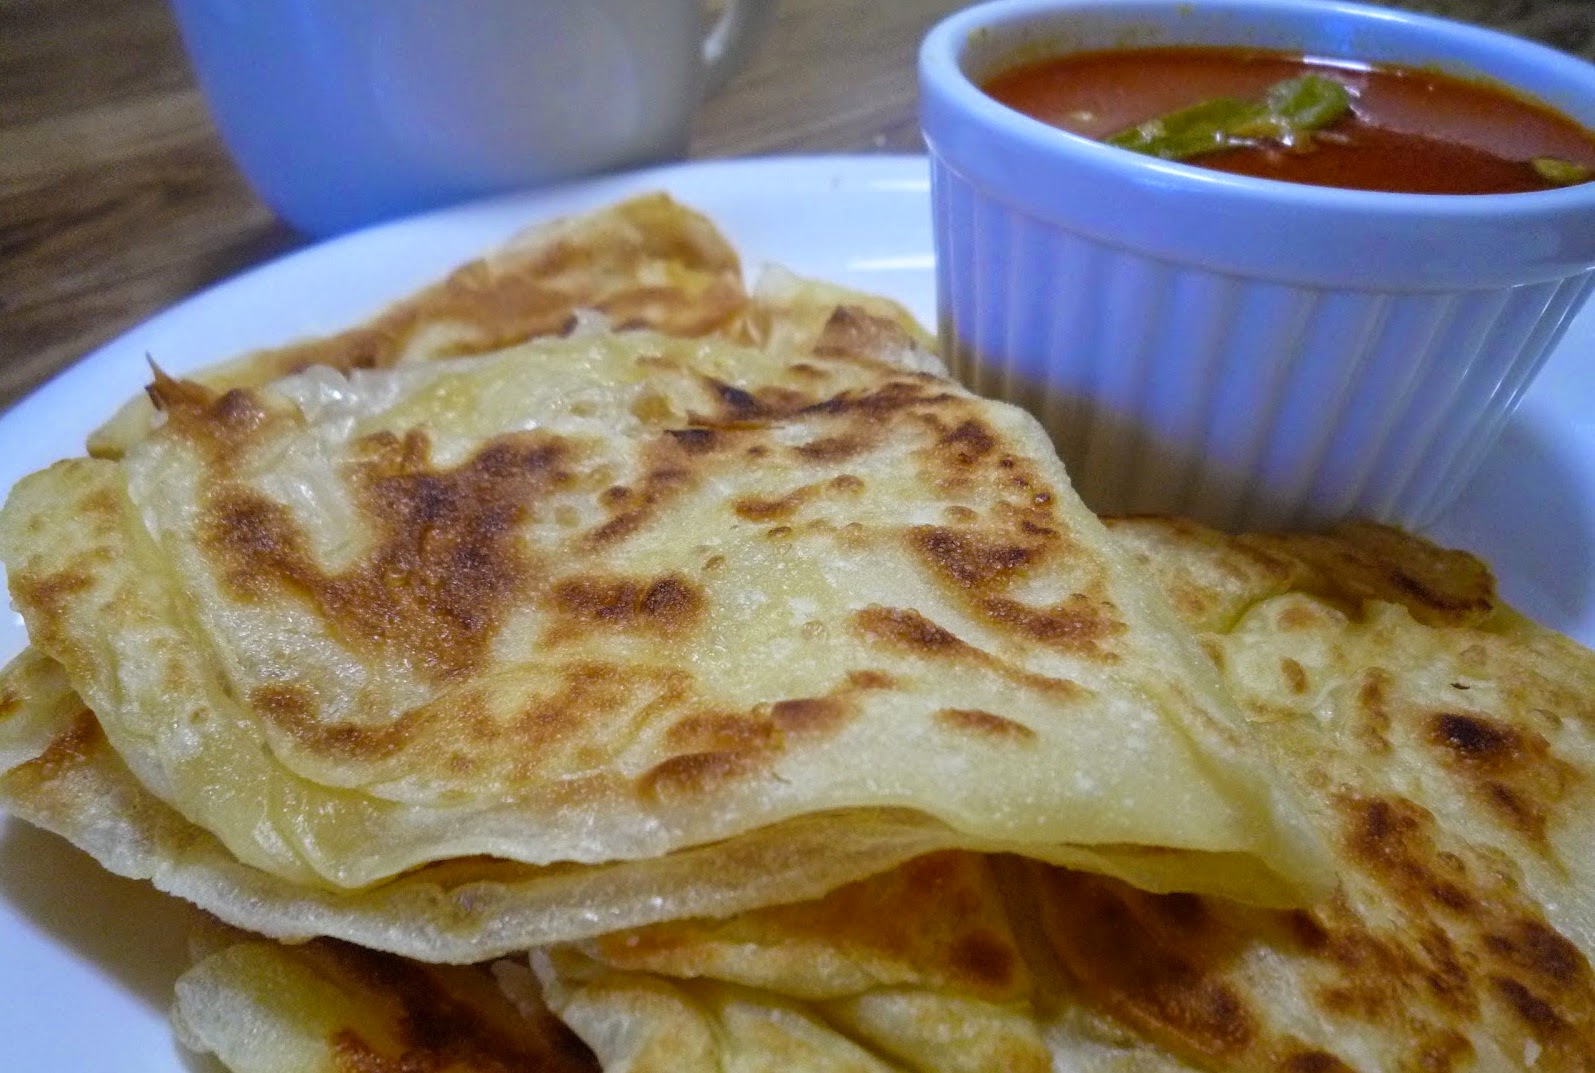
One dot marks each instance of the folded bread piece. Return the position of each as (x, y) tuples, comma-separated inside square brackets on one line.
[(68, 780), (1446, 749), (915, 969), (649, 262), (645, 263), (606, 599), (328, 1007)]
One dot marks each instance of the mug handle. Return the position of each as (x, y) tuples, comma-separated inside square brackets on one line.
[(732, 41)]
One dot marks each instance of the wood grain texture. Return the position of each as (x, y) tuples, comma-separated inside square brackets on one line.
[(117, 198)]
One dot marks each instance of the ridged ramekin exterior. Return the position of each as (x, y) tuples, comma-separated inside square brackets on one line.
[(1202, 382), (1244, 403)]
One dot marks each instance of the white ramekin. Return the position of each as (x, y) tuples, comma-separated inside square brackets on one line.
[(1252, 353)]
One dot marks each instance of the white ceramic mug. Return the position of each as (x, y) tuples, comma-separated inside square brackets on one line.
[(342, 112)]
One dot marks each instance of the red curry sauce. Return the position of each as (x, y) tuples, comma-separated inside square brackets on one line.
[(1410, 130)]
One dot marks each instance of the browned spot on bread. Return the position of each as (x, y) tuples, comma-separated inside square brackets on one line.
[(672, 601), (764, 509), (1295, 675), (293, 709), (910, 631), (1442, 1050), (852, 333), (1439, 600), (616, 529), (1313, 1061), (695, 774), (390, 451), (1474, 740), (837, 448), (1373, 711), (696, 441), (69, 749), (881, 403), (1510, 769), (447, 563), (967, 443), (46, 598), (1145, 968), (968, 560), (1392, 838), (1300, 616), (590, 695), (847, 484), (1078, 625), (1362, 561), (1530, 1008), (1538, 1015), (722, 732), (807, 715), (869, 679), (437, 1018), (221, 427), (1535, 948), (756, 737), (736, 404), (669, 606), (104, 505), (1495, 942), (984, 957), (1308, 933), (669, 470), (1441, 585), (984, 724)]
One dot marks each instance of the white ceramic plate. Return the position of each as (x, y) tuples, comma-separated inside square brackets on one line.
[(87, 961)]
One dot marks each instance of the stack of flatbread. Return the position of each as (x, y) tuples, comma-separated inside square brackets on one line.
[(590, 665)]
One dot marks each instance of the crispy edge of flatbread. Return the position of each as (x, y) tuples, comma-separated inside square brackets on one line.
[(645, 262), (325, 1006), (455, 911)]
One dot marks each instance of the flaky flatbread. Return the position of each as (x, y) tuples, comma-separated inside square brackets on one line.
[(328, 1007), (704, 712), (608, 597), (1446, 748), (915, 969), (649, 262)]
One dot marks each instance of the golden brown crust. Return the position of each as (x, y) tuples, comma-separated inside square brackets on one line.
[(331, 1007), (645, 263), (458, 593), (1449, 762), (937, 921), (446, 564)]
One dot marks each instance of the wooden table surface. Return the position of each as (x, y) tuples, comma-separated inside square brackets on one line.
[(117, 198)]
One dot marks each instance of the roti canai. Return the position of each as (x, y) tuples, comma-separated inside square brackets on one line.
[(610, 597), (1445, 748)]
